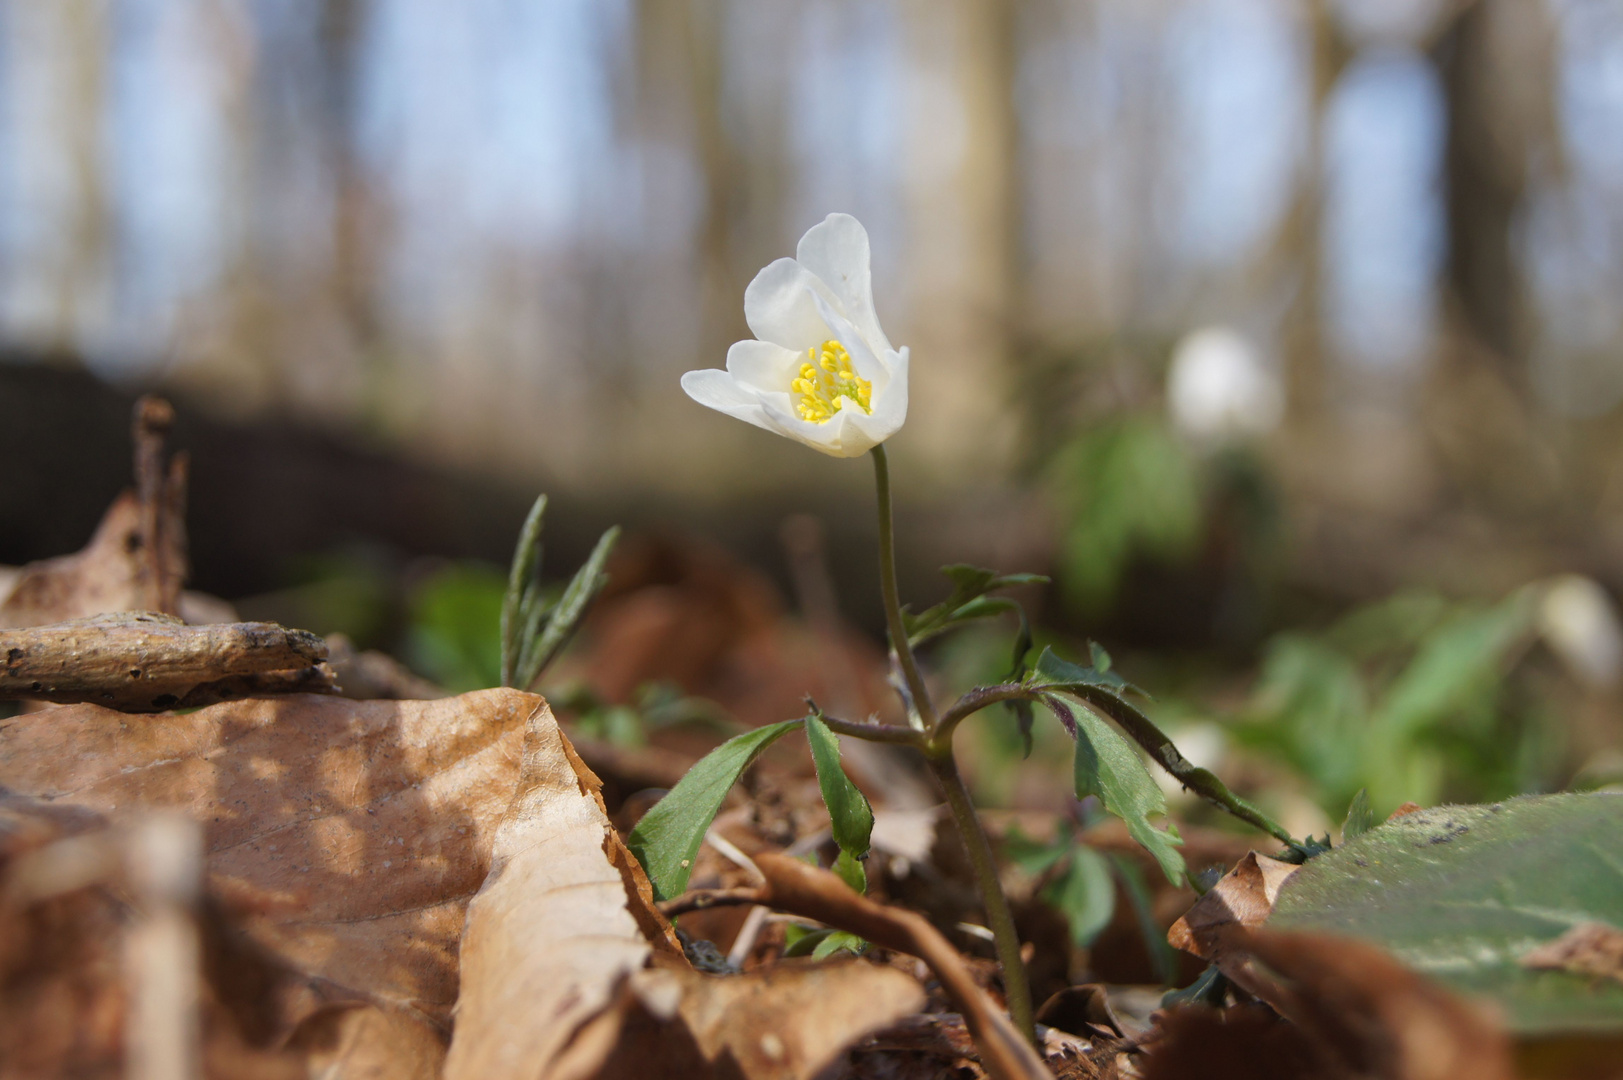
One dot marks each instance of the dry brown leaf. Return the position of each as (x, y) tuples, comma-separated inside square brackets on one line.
[(788, 1022), (1367, 1013), (551, 934), (352, 834), (1244, 897), (1590, 948)]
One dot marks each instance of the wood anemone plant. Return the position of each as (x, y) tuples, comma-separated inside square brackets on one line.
[(1091, 702)]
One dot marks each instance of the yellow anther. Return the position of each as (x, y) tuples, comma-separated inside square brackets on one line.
[(827, 382)]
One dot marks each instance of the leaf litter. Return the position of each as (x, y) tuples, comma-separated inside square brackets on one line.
[(287, 884)]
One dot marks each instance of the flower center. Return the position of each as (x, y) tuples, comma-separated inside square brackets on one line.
[(827, 382)]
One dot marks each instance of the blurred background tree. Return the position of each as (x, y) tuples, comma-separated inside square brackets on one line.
[(1232, 314)]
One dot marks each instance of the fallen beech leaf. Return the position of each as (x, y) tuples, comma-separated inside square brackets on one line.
[(1365, 1011), (357, 831), (787, 1022), (145, 662), (550, 935), (1244, 896)]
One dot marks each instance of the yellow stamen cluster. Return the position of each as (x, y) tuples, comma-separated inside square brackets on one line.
[(827, 382)]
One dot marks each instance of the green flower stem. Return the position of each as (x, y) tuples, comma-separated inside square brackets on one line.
[(938, 752), (1000, 920), (893, 603)]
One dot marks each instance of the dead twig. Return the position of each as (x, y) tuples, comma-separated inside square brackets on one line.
[(145, 662)]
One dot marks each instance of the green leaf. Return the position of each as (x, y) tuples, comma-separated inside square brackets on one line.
[(540, 650), (800, 940), (667, 839), (967, 601), (1163, 957), (1085, 894), (1101, 659), (1054, 672), (838, 941), (1462, 893), (848, 868), (1360, 818), (521, 606), (1107, 766), (848, 808)]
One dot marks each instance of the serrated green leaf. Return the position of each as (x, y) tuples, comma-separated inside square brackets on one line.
[(1085, 894), (1463, 893), (667, 839), (839, 941), (565, 616), (848, 809), (967, 601), (1107, 766), (1360, 818), (1054, 671)]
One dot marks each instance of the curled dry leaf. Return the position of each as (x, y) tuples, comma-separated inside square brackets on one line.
[(551, 934), (350, 835), (145, 662), (1243, 897)]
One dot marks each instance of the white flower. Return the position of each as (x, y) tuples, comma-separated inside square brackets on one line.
[(1220, 390), (820, 371)]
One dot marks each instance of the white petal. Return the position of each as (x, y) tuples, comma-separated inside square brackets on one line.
[(715, 389), (863, 360), (779, 308), (890, 405), (763, 366), (836, 251), (836, 437)]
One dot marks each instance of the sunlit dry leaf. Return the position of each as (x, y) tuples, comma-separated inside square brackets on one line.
[(788, 1022), (1245, 897), (353, 834), (551, 934)]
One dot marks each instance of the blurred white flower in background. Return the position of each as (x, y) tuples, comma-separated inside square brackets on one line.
[(1220, 390), (821, 371), (1579, 622)]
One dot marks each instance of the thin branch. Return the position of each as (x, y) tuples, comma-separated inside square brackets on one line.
[(702, 899), (885, 733), (973, 702)]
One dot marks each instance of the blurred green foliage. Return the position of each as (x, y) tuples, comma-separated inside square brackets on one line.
[(1414, 698), (455, 632), (1124, 488)]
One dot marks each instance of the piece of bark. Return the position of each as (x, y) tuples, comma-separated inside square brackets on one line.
[(146, 662)]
